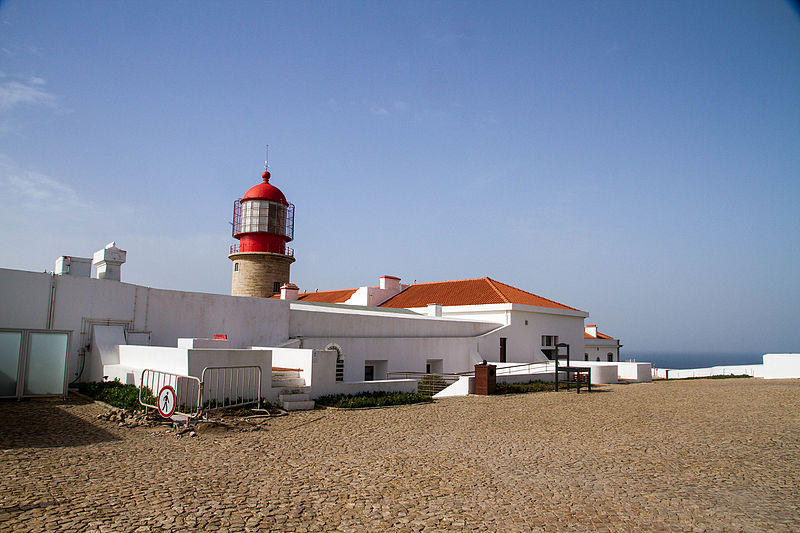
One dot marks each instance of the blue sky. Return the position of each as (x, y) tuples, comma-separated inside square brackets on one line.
[(638, 160)]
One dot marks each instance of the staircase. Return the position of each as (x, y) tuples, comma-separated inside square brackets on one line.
[(294, 396)]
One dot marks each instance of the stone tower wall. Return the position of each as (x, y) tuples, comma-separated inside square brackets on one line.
[(255, 273)]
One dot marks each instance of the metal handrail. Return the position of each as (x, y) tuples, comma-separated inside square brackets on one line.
[(230, 386), (187, 391), (428, 383)]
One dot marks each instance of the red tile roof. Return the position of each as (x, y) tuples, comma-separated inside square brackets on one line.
[(328, 297), (477, 291), (599, 336)]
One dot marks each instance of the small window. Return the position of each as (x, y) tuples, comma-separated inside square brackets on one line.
[(610, 356), (276, 287), (236, 267), (526, 322), (586, 357)]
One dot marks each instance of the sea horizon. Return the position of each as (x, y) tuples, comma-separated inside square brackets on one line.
[(682, 360)]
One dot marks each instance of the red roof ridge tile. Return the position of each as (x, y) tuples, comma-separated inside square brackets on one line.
[(491, 283)]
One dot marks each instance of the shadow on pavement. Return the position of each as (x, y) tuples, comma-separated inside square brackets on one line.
[(45, 424)]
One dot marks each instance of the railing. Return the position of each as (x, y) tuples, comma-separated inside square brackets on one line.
[(235, 249), (427, 384), (231, 386), (539, 366), (187, 391)]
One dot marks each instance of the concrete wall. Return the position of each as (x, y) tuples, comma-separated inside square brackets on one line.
[(329, 321), (80, 302), (524, 341), (781, 365)]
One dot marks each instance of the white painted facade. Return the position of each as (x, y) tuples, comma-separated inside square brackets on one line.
[(178, 326)]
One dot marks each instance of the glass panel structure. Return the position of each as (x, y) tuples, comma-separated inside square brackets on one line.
[(10, 344), (46, 364), (264, 216)]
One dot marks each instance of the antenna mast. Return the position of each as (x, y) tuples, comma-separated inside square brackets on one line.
[(266, 161)]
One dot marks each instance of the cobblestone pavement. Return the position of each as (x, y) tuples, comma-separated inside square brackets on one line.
[(716, 455)]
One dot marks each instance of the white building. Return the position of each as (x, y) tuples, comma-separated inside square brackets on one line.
[(599, 346), (329, 341)]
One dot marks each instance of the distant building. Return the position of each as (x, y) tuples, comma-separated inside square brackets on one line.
[(599, 346)]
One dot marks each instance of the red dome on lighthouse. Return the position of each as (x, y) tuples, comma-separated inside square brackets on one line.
[(265, 191)]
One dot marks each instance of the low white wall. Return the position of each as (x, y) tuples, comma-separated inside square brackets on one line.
[(356, 387), (781, 365), (463, 387), (301, 358), (726, 370), (174, 360), (639, 372)]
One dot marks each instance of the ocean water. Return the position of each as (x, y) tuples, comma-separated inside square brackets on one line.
[(694, 360)]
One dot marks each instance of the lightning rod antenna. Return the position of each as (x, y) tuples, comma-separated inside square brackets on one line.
[(266, 161)]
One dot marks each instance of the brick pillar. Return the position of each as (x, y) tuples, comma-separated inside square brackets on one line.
[(485, 379)]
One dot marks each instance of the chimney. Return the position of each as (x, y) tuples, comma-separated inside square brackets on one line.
[(390, 283), (435, 310), (74, 266), (108, 261), (591, 329), (289, 291)]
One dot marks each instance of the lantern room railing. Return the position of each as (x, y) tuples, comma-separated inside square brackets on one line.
[(236, 248)]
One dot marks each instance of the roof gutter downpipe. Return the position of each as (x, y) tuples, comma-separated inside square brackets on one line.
[(51, 304)]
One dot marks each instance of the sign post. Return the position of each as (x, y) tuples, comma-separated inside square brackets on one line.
[(166, 401)]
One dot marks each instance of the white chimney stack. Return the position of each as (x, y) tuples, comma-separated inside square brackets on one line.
[(108, 261), (435, 310), (290, 292), (591, 329), (390, 283)]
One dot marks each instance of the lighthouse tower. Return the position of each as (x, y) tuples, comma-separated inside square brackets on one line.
[(263, 222)]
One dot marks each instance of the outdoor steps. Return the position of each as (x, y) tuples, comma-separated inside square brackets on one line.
[(287, 378), (296, 401)]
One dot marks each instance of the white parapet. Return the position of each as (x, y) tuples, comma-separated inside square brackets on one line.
[(781, 365)]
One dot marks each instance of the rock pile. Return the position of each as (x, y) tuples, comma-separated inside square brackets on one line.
[(127, 418)]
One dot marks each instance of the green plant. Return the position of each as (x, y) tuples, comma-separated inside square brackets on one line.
[(116, 394), (518, 388), (371, 399)]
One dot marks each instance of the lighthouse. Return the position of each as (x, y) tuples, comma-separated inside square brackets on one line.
[(263, 223)]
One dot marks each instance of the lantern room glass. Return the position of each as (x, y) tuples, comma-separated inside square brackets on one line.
[(263, 216)]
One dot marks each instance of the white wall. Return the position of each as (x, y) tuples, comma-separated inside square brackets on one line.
[(79, 302), (309, 320), (781, 365)]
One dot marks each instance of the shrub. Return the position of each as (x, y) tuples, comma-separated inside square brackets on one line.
[(517, 388), (115, 393), (371, 399)]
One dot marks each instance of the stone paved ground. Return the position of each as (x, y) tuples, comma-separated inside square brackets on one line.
[(716, 455)]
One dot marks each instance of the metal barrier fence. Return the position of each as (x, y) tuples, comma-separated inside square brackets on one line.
[(187, 391), (224, 387), (427, 384)]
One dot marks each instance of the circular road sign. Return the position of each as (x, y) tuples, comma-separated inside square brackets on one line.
[(166, 401)]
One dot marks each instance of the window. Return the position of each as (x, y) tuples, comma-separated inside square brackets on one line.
[(236, 267), (549, 340), (526, 322), (586, 357), (427, 368), (276, 286), (339, 360), (610, 356)]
